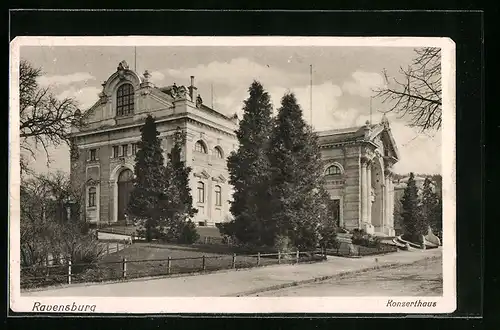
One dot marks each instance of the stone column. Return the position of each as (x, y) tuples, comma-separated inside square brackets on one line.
[(364, 192), (391, 203), (369, 188), (387, 202)]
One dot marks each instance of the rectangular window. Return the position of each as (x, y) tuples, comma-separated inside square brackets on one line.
[(134, 148), (115, 151), (92, 195), (125, 150), (93, 154), (218, 196), (201, 192)]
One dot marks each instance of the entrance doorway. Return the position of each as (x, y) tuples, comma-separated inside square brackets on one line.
[(125, 186), (334, 210)]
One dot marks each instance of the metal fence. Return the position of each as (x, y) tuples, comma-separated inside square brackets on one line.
[(68, 273)]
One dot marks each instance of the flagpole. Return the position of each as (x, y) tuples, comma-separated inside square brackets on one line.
[(370, 110), (310, 93), (135, 58)]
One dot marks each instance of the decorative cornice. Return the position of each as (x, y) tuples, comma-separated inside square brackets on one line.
[(92, 182), (202, 175), (219, 179)]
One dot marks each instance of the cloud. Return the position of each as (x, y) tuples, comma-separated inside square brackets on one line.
[(239, 71), (59, 159), (363, 83), (418, 152), (68, 79), (86, 97), (157, 76), (324, 103)]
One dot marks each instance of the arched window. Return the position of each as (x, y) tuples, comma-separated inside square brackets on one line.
[(201, 192), (218, 153), (125, 100), (92, 196), (126, 176), (333, 170), (200, 147), (218, 196)]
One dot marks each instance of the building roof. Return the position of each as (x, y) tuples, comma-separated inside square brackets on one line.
[(340, 135)]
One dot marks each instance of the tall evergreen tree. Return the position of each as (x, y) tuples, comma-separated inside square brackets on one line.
[(429, 202), (413, 222), (431, 206), (437, 218), (149, 182), (298, 200), (177, 202), (248, 168)]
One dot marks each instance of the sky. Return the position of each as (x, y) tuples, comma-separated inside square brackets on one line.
[(342, 82)]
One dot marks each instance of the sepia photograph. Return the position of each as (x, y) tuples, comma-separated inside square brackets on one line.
[(232, 175)]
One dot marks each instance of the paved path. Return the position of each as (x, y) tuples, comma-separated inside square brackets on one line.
[(239, 282), (423, 278), (112, 247)]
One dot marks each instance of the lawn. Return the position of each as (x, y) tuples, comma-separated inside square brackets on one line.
[(211, 232), (150, 259)]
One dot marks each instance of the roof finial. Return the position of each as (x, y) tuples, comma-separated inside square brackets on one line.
[(385, 121)]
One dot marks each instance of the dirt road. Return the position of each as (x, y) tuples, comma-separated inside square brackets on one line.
[(424, 278)]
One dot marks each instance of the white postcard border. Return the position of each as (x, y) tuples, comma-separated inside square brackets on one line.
[(444, 304)]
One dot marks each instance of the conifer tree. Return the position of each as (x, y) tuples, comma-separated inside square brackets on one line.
[(298, 200), (248, 169), (149, 182), (437, 218), (429, 203), (413, 223), (177, 202), (431, 208)]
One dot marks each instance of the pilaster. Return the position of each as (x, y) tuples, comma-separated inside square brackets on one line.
[(364, 191), (369, 192)]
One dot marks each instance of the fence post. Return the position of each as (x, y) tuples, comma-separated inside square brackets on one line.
[(47, 266), (298, 253), (233, 264), (279, 257), (203, 267), (168, 265), (107, 248), (258, 258), (206, 239), (69, 271), (124, 267)]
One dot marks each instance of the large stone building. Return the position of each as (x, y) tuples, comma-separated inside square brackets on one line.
[(359, 177), (102, 161), (358, 160)]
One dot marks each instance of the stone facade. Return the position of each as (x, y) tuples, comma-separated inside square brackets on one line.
[(358, 160), (361, 179), (105, 146)]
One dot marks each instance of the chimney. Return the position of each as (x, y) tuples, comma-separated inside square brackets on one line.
[(192, 90)]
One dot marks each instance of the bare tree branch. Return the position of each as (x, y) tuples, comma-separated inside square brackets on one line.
[(418, 96), (44, 119)]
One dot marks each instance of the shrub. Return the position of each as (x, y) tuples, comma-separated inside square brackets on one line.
[(228, 231), (282, 244), (189, 234), (360, 237), (328, 238)]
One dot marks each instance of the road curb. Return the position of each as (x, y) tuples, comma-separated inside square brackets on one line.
[(328, 277)]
